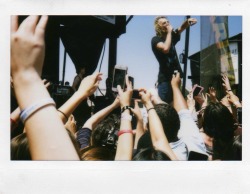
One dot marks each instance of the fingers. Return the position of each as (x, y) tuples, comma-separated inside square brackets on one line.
[(136, 104), (128, 83), (29, 24), (14, 23), (47, 84), (119, 90), (41, 26)]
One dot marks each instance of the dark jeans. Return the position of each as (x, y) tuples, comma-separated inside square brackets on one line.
[(165, 91)]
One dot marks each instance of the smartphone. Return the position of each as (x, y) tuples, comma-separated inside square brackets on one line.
[(131, 79), (119, 77), (136, 94), (197, 90)]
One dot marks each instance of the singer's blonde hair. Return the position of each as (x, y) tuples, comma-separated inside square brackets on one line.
[(158, 29)]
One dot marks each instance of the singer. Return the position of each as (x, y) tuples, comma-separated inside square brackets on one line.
[(163, 47)]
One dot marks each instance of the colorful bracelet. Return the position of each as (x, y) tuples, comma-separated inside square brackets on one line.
[(125, 108), (125, 131), (27, 112)]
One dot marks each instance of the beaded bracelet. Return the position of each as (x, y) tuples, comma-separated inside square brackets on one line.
[(125, 108), (27, 112)]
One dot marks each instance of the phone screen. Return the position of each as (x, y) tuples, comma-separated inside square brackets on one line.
[(197, 90), (136, 95), (119, 78)]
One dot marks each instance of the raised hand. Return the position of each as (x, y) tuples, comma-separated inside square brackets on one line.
[(176, 80), (226, 83), (137, 112), (212, 94), (89, 84), (71, 124), (145, 96), (233, 99), (192, 21), (125, 97), (190, 101), (27, 44)]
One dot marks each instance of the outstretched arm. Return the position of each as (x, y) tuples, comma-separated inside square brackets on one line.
[(179, 102), (139, 126), (186, 24), (27, 56), (93, 121), (158, 137), (124, 149), (88, 87)]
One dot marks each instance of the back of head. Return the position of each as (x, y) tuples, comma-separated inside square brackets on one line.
[(100, 153), (20, 148), (218, 123), (148, 154), (158, 29), (170, 120), (145, 141), (105, 133)]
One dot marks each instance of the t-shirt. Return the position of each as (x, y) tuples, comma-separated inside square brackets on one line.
[(189, 133), (167, 62), (83, 137)]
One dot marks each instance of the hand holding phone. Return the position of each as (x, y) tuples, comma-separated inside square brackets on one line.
[(136, 94), (119, 77), (197, 90)]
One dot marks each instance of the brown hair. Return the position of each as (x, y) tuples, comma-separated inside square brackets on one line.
[(99, 153)]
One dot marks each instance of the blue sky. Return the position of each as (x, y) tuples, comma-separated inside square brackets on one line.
[(134, 49)]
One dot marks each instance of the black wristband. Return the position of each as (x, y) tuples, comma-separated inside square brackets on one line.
[(125, 108), (150, 109), (63, 114), (229, 90)]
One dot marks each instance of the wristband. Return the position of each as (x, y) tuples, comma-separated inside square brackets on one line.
[(150, 109), (229, 90), (125, 108), (125, 116), (124, 131), (27, 112), (63, 114)]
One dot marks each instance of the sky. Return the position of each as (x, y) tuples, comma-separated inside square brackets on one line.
[(134, 49)]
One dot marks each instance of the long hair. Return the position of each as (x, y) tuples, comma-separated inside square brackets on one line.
[(219, 123), (97, 153), (158, 29)]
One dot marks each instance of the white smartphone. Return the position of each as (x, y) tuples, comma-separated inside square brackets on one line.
[(119, 77), (197, 90)]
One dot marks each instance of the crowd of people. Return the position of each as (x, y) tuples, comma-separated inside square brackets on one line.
[(193, 128)]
